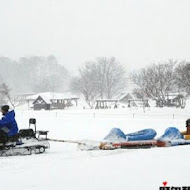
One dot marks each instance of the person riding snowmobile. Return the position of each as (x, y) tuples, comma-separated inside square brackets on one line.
[(8, 124), (186, 133)]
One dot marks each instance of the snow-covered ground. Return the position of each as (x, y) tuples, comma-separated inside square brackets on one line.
[(63, 166)]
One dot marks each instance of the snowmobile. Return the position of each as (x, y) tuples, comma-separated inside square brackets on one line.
[(26, 142)]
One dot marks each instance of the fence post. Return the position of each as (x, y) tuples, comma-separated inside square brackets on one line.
[(173, 116), (133, 115), (94, 115)]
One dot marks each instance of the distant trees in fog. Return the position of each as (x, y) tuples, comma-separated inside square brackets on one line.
[(101, 78), (182, 76), (7, 97), (156, 80), (3, 99), (33, 74), (5, 93), (105, 77)]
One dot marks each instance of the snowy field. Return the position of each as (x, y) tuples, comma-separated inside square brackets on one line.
[(63, 166)]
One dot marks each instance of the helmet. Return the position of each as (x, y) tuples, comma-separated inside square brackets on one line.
[(5, 108), (188, 122)]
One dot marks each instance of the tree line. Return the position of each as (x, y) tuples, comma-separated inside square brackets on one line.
[(105, 78), (33, 74), (102, 78), (157, 80)]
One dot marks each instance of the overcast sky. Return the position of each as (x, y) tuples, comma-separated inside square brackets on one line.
[(136, 32)]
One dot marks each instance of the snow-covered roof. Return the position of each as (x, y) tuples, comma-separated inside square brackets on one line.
[(107, 100), (47, 100), (172, 95), (123, 94), (52, 96)]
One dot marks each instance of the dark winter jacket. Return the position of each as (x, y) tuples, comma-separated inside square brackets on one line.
[(8, 124)]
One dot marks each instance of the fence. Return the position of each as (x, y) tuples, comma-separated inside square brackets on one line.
[(97, 115)]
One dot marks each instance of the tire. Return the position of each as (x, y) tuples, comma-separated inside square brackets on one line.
[(42, 149), (32, 151), (3, 154)]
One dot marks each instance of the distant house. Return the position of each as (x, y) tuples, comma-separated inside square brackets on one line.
[(127, 99), (172, 99), (132, 101), (49, 101), (42, 103)]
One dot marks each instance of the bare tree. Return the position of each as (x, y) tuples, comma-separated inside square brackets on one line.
[(5, 92), (155, 81), (34, 74), (111, 77), (86, 84), (182, 76), (2, 99), (102, 78)]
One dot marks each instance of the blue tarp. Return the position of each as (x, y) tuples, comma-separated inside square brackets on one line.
[(146, 134), (116, 135), (171, 133)]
